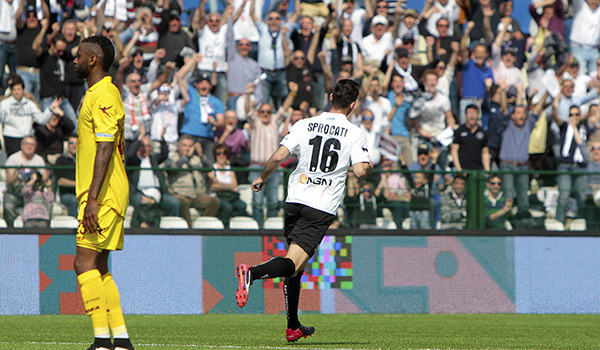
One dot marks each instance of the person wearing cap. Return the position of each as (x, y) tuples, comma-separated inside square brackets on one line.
[(503, 60), (172, 38), (28, 67), (410, 72), (379, 45), (407, 26), (204, 112), (147, 186), (381, 9), (567, 98)]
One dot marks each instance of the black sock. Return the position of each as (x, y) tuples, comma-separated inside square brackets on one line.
[(276, 267), (103, 342), (291, 290), (123, 343)]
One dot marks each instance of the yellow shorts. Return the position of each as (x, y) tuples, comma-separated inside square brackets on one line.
[(110, 235)]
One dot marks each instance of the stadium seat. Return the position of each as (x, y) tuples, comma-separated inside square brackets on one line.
[(243, 223), (406, 224), (18, 223), (553, 225), (387, 214), (127, 221), (3, 223), (64, 221), (208, 222), (173, 222), (274, 223), (385, 224), (578, 225), (58, 209)]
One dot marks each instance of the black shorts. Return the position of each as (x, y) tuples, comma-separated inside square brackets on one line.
[(306, 226)]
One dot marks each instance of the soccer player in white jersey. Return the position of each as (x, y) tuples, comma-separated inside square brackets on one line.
[(328, 144)]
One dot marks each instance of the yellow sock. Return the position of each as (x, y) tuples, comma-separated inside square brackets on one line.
[(113, 307), (94, 301)]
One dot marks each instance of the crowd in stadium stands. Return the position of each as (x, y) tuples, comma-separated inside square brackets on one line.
[(454, 86)]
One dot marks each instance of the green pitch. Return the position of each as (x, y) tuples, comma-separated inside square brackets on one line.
[(332, 332)]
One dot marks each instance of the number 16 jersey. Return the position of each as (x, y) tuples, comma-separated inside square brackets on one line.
[(328, 144)]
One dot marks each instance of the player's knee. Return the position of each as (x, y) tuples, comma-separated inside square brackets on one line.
[(290, 267)]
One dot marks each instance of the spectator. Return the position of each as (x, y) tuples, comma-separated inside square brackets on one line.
[(52, 73), (52, 135), (358, 16), (299, 71), (441, 40), (514, 153), (440, 9), (304, 40), (378, 45), (593, 184), (165, 111), (235, 139), (454, 205), (412, 74), (66, 177), (503, 61), (348, 55), (10, 11), (495, 104), (242, 69), (189, 186), (582, 82), (373, 136), (433, 115), (172, 38), (138, 119), (147, 186), (420, 194), (395, 192), (376, 103), (479, 10), (476, 75), (552, 17), (17, 114), (74, 86), (408, 28), (397, 117), (274, 39), (497, 206), (27, 66), (37, 197), (245, 28), (585, 33), (264, 141), (573, 160), (16, 178), (361, 204), (203, 111), (142, 33), (224, 184), (211, 34), (469, 149), (567, 98), (381, 8)]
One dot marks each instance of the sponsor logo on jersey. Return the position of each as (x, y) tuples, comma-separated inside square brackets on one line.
[(105, 109), (305, 179)]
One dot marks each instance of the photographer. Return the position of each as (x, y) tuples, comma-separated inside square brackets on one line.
[(38, 198)]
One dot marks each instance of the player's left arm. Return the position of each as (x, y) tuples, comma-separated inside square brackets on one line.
[(104, 152), (359, 156)]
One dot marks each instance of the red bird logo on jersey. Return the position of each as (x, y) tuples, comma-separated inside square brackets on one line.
[(104, 109)]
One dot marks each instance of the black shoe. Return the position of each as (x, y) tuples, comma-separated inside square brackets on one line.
[(103, 344), (123, 344)]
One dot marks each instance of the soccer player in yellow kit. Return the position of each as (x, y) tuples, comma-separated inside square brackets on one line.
[(102, 190)]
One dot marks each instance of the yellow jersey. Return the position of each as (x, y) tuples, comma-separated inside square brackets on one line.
[(102, 119)]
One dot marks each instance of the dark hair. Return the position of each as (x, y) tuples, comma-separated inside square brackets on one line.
[(345, 92), (58, 37), (494, 89), (108, 50), (493, 176), (219, 147), (472, 106), (459, 177), (16, 80)]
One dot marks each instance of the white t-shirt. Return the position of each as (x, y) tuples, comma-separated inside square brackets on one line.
[(328, 144), (358, 22), (212, 47), (375, 50), (433, 115)]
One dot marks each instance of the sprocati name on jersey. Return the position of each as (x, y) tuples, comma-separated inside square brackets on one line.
[(327, 129)]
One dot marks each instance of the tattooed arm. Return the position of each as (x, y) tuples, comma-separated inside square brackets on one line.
[(90, 214)]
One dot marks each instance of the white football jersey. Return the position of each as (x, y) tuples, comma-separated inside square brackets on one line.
[(328, 144)]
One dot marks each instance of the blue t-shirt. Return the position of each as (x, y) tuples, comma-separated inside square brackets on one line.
[(193, 123), (398, 121), (473, 79)]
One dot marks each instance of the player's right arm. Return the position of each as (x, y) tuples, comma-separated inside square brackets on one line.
[(104, 152), (359, 156), (272, 164)]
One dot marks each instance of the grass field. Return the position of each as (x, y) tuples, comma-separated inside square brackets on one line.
[(332, 332)]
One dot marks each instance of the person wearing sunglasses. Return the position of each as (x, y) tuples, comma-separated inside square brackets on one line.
[(367, 121), (497, 206), (28, 67), (572, 160)]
